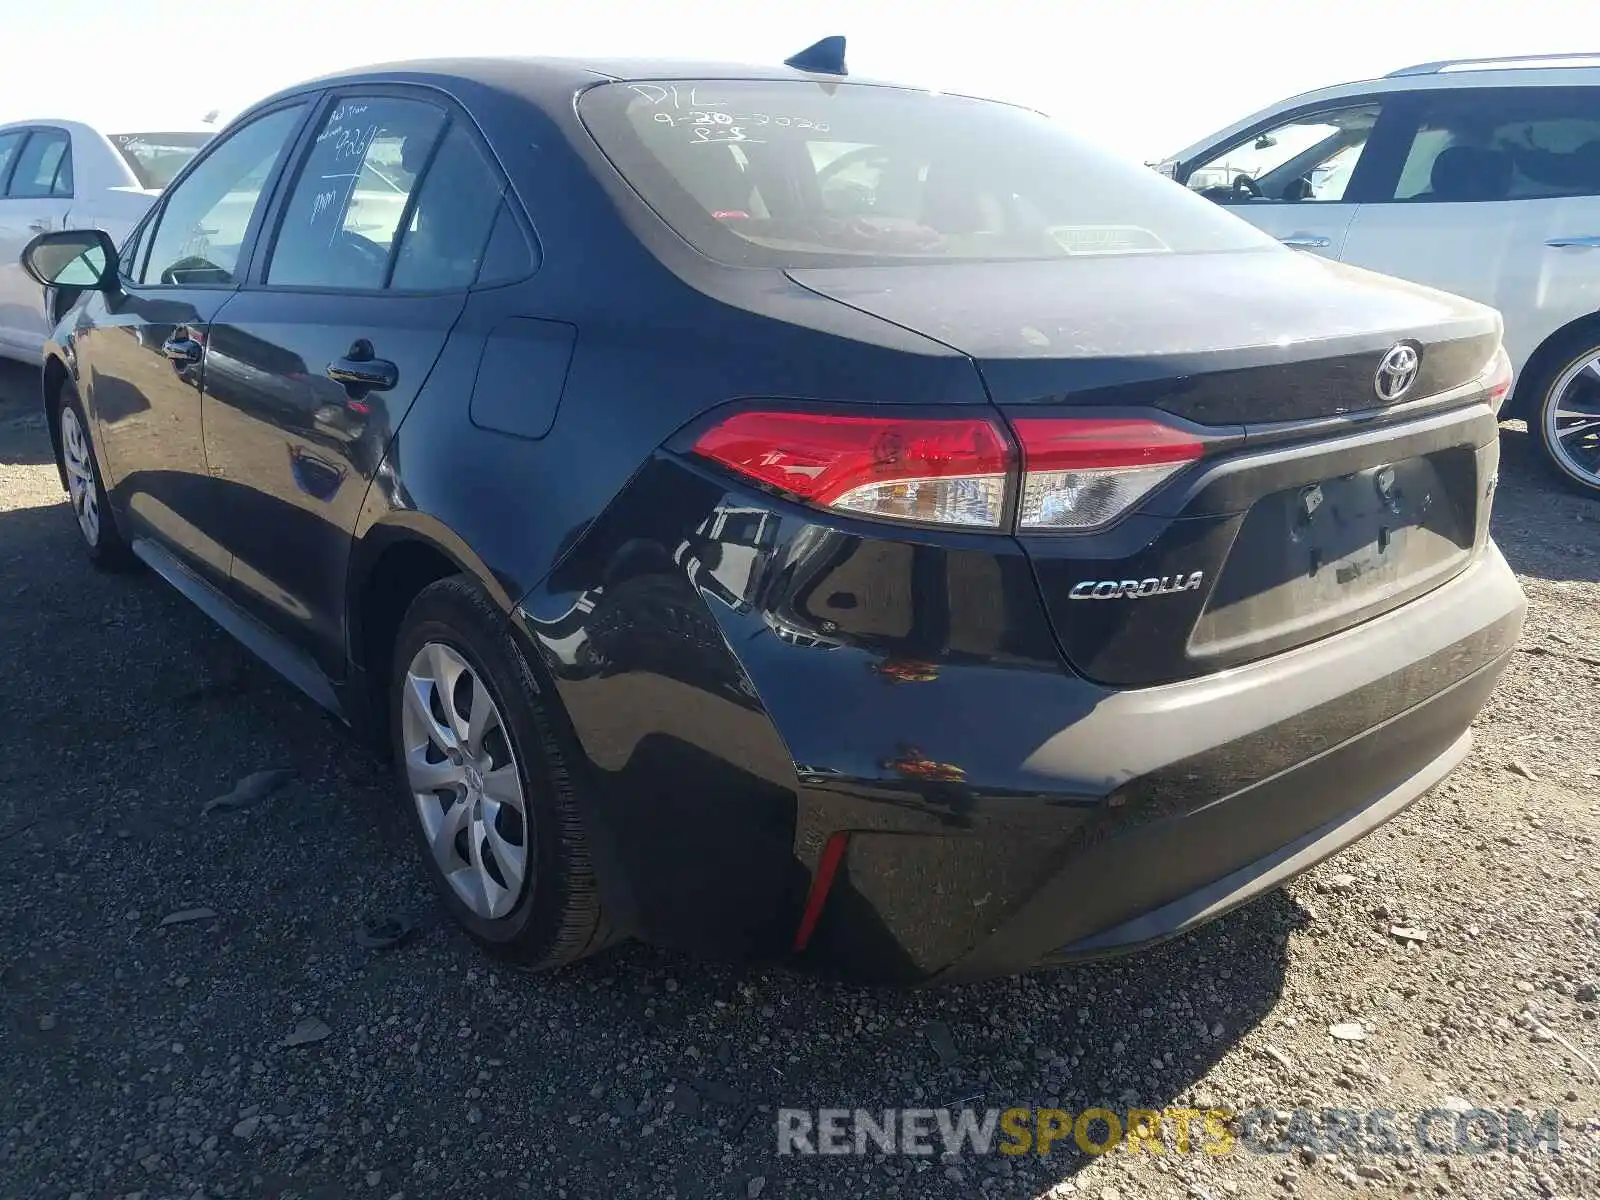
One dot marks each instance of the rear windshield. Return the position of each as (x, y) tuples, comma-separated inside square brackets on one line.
[(154, 158), (796, 173)]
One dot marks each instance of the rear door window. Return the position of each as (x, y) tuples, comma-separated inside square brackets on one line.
[(508, 256), (795, 173), (156, 158), (396, 195), (344, 216), (1484, 144), (445, 242)]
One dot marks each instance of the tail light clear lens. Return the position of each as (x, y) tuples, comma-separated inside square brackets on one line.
[(941, 472), (1079, 474), (1076, 474), (1496, 377)]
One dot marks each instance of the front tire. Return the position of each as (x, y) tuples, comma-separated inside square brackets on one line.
[(97, 524), (1565, 413), (486, 783)]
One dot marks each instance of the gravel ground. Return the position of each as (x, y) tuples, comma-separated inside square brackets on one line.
[(142, 1057)]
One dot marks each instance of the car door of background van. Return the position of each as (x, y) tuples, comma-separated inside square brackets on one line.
[(1297, 175), (1478, 197)]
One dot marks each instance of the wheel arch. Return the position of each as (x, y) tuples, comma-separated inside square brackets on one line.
[(1524, 395), (390, 563)]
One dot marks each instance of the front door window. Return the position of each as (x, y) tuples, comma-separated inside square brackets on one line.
[(1310, 158), (205, 218)]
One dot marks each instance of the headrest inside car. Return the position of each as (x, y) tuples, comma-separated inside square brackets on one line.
[(1471, 173)]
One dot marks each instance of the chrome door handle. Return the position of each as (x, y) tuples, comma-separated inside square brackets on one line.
[(1588, 241), (1305, 241), (41, 226), (360, 370)]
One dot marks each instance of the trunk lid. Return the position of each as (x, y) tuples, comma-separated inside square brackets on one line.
[(1230, 338), (1321, 504)]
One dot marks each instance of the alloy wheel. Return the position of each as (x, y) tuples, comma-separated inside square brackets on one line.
[(1572, 419), (464, 780), (81, 487)]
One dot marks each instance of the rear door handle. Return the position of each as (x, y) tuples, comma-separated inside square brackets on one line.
[(1306, 241), (1586, 241), (181, 350), (359, 370), (40, 226)]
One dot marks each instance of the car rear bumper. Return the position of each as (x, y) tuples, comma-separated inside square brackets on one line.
[(1220, 789), (1129, 874), (1246, 883), (989, 810)]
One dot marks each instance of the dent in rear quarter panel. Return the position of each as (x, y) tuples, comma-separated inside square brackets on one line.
[(747, 678)]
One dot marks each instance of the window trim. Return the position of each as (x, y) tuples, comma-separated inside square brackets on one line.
[(22, 131), (1414, 107), (408, 212), (254, 278), (305, 101), (1360, 185), (136, 239), (66, 161)]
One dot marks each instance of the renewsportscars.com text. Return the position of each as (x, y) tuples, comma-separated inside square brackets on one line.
[(951, 1132)]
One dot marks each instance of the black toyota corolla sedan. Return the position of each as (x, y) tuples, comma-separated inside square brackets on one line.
[(768, 513)]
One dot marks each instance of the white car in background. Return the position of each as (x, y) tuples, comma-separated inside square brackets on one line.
[(65, 175), (1477, 177)]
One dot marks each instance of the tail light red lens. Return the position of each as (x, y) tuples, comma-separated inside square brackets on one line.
[(1081, 473), (1072, 474), (942, 472)]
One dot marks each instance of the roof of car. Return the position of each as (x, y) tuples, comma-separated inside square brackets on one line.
[(1464, 73), (1511, 62), (540, 80), (505, 71)]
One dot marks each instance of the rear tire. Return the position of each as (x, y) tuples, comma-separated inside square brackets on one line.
[(97, 524), (1563, 393), (500, 835)]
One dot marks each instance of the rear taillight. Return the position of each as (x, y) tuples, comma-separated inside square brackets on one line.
[(939, 472), (1071, 474), (1496, 377)]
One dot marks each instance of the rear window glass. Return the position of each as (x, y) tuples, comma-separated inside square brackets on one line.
[(154, 158), (796, 173)]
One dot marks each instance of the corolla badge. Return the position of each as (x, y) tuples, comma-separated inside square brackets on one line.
[(1135, 589), (1397, 372)]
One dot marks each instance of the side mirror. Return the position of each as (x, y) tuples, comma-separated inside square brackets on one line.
[(75, 258)]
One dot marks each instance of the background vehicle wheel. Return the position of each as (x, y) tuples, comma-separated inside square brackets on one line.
[(1565, 412), (96, 522), (486, 784)]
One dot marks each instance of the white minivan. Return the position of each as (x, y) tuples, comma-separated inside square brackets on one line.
[(1479, 177)]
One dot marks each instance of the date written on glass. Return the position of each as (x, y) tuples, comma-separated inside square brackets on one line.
[(709, 126)]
